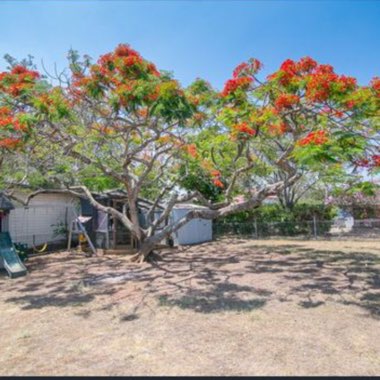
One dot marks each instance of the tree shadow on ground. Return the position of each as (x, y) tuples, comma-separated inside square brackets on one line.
[(208, 278), (217, 298), (75, 282), (302, 275)]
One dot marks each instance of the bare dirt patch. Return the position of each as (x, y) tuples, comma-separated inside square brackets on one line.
[(231, 307)]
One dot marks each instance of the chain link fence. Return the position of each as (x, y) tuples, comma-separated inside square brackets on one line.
[(369, 228)]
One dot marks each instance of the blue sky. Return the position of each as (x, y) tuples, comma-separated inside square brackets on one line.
[(198, 38)]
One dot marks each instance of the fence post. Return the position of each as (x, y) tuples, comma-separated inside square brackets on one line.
[(255, 226), (315, 226)]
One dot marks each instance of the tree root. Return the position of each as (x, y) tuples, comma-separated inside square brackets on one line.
[(140, 257)]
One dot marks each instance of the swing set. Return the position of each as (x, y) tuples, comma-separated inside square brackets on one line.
[(77, 228)]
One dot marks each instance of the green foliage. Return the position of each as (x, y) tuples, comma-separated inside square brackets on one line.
[(171, 104), (39, 180), (26, 62), (363, 212), (199, 179), (272, 219), (59, 228), (367, 188), (275, 213)]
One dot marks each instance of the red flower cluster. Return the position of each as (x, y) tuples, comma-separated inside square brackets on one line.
[(9, 142), (315, 138), (19, 126), (117, 71), (277, 129), (307, 64), (369, 163), (45, 100), (288, 71), (124, 50), (216, 178), (291, 71), (286, 101), (105, 60), (17, 80), (192, 150), (289, 67), (9, 121), (376, 160), (4, 122), (321, 80), (10, 128), (235, 83), (244, 128), (18, 69), (5, 111), (143, 112), (153, 69), (217, 182), (193, 99), (215, 173), (350, 104), (319, 84), (375, 84), (347, 83), (363, 162), (132, 60), (324, 69), (256, 65), (245, 69), (125, 57)]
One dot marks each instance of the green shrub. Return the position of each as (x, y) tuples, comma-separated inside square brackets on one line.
[(273, 219)]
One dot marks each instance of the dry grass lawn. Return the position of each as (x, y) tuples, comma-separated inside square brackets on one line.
[(230, 307)]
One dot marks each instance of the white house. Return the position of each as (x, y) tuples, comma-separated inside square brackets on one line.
[(48, 216)]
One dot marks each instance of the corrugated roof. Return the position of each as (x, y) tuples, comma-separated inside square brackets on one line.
[(189, 206), (114, 194)]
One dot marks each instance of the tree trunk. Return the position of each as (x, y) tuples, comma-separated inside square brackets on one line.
[(145, 252)]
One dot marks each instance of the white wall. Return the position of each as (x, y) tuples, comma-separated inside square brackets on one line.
[(195, 232), (36, 224)]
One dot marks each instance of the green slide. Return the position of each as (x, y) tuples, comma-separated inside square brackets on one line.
[(9, 257)]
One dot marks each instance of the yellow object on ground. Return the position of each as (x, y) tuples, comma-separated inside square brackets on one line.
[(40, 250)]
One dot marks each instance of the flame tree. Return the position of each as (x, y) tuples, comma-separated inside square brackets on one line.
[(17, 86), (121, 122)]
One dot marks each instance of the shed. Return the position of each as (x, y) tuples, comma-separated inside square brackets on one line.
[(196, 231), (107, 232), (44, 220)]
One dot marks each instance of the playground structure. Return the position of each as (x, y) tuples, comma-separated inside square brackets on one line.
[(77, 227), (9, 259)]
